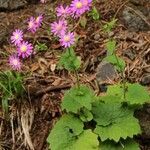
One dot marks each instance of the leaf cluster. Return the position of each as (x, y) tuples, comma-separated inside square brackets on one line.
[(69, 60), (11, 86), (112, 58), (98, 123)]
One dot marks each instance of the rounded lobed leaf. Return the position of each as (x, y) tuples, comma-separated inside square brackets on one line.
[(77, 98), (114, 121), (65, 132), (135, 93)]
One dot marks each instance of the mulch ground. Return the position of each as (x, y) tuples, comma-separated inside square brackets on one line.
[(45, 85)]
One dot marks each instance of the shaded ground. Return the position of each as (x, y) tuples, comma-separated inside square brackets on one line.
[(45, 85)]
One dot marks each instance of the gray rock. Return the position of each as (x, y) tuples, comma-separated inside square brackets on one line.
[(133, 21), (146, 79), (97, 37), (12, 4), (105, 73)]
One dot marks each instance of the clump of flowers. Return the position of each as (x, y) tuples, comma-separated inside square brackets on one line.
[(35, 23), (59, 28), (24, 49)]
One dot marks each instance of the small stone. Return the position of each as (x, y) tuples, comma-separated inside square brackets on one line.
[(145, 80), (105, 73), (133, 21), (12, 4), (96, 37)]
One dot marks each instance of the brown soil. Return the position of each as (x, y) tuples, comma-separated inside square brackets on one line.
[(45, 86)]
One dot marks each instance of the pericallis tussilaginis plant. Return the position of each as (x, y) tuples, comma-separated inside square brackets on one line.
[(93, 122), (89, 122)]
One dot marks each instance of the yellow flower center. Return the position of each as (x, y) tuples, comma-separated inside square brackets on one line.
[(67, 38), (59, 27), (30, 24), (15, 62), (23, 48), (78, 5), (16, 36)]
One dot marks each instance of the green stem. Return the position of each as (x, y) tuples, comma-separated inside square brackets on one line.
[(123, 78), (77, 77)]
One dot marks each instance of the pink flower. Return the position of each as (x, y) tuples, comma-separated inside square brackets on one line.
[(63, 11), (77, 8), (17, 37), (14, 62), (38, 21), (32, 25), (67, 39), (25, 49), (87, 4), (57, 28), (43, 1)]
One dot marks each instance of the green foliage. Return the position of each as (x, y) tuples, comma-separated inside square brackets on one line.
[(94, 14), (118, 62), (135, 93), (114, 122), (128, 144), (70, 129), (110, 25), (86, 141), (83, 21), (11, 86), (41, 47), (69, 60), (85, 115), (77, 98), (110, 46)]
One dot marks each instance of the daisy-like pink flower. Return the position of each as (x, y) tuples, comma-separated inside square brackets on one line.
[(62, 11), (38, 21), (87, 4), (14, 62), (77, 8), (32, 25), (58, 27), (67, 39), (43, 1), (17, 37), (25, 49)]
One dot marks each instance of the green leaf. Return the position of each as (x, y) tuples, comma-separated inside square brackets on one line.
[(77, 98), (117, 61), (110, 46), (114, 121), (128, 144), (110, 25), (68, 134), (85, 115), (69, 60), (41, 47), (65, 132), (86, 141), (94, 14), (135, 93), (83, 21)]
